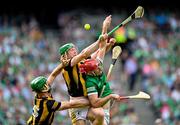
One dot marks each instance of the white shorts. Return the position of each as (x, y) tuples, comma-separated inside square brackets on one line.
[(106, 108), (78, 113), (107, 116)]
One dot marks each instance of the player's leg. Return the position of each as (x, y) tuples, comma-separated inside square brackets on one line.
[(96, 116), (106, 109), (78, 115), (106, 116)]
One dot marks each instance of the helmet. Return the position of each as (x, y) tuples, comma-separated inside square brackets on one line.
[(89, 65), (39, 84), (65, 48)]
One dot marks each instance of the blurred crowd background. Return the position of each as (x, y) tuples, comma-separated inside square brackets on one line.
[(149, 62)]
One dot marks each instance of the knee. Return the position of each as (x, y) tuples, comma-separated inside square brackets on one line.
[(98, 112)]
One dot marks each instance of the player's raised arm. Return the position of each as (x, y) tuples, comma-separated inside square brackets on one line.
[(54, 73), (110, 43), (102, 48), (93, 47), (106, 24)]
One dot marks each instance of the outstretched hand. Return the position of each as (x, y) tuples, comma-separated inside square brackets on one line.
[(111, 42), (107, 22)]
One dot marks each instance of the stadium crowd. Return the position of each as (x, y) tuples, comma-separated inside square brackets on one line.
[(151, 47)]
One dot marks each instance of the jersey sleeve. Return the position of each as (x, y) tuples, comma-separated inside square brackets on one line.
[(91, 87), (56, 105), (53, 105)]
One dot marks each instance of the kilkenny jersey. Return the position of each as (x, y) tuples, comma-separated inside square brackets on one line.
[(43, 111), (74, 81)]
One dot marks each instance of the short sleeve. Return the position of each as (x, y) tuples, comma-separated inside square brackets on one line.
[(91, 87), (54, 105)]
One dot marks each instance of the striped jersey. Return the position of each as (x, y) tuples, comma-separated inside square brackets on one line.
[(43, 111), (75, 81)]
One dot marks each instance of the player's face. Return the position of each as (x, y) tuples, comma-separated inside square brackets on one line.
[(72, 52), (98, 71)]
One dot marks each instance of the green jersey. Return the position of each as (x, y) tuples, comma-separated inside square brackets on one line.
[(94, 85)]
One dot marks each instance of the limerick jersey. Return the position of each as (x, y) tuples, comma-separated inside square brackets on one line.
[(75, 81), (94, 85), (43, 111)]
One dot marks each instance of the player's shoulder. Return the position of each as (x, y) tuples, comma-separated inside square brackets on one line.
[(91, 78)]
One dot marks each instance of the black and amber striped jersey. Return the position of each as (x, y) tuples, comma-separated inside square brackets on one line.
[(75, 81), (43, 111)]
